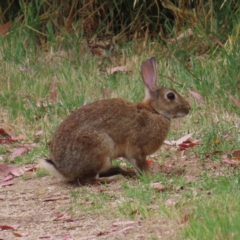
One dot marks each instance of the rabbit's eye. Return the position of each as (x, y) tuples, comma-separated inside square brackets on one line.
[(171, 96)]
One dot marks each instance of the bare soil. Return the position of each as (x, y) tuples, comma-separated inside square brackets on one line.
[(44, 208)]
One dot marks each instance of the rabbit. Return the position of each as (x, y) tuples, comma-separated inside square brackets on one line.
[(85, 144)]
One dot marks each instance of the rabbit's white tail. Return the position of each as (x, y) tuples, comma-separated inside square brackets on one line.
[(50, 167)]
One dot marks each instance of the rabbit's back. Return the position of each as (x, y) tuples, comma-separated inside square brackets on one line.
[(125, 123)]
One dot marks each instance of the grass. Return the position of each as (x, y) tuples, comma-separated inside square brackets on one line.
[(206, 208)]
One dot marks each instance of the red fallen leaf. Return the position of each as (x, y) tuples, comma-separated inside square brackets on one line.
[(117, 69), (10, 169), (53, 95), (7, 178), (150, 162), (7, 141), (237, 103), (16, 152), (197, 96), (4, 28), (96, 52), (4, 133), (184, 219), (187, 144), (30, 169), (19, 137), (236, 153), (6, 227), (8, 183)]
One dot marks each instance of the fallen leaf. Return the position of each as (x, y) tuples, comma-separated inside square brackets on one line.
[(197, 96), (7, 141), (16, 152), (18, 234), (217, 141), (4, 28), (188, 144), (96, 52), (6, 227), (61, 216), (157, 186), (183, 139), (185, 34), (236, 153), (117, 69), (55, 199), (170, 202), (184, 219), (39, 133), (7, 178), (237, 103), (8, 183), (229, 161), (123, 223), (17, 138), (168, 142), (30, 169), (24, 69), (4, 133), (53, 95), (10, 169), (149, 162)]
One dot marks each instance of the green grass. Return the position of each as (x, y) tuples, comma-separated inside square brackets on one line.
[(211, 202)]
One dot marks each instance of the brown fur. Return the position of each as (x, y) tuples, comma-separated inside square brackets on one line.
[(91, 137)]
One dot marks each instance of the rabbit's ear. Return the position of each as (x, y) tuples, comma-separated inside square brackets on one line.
[(149, 73)]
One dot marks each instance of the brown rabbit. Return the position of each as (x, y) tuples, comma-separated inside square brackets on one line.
[(85, 144)]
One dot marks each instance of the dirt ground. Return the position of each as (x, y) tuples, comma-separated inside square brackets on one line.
[(36, 206), (41, 208)]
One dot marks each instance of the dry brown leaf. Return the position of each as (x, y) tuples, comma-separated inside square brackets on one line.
[(6, 227), (183, 139), (185, 34), (4, 28), (158, 186), (117, 69)]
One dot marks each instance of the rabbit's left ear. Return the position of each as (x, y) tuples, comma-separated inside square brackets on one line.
[(149, 73)]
